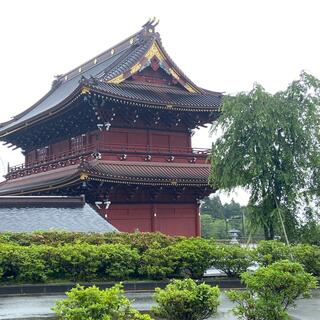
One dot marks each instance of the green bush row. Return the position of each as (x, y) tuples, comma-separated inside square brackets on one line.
[(308, 256), (145, 257), (270, 291), (83, 261), (140, 241), (71, 261)]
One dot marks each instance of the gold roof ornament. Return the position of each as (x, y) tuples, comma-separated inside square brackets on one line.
[(117, 79), (135, 68), (154, 51), (84, 176)]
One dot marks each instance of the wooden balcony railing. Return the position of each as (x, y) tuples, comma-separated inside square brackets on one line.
[(91, 151)]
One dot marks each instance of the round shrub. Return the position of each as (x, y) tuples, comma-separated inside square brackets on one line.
[(185, 299), (95, 304), (193, 257), (271, 290)]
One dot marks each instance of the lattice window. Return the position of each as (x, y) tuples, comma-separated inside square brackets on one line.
[(42, 154), (77, 143)]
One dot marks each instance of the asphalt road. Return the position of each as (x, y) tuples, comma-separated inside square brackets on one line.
[(36, 307)]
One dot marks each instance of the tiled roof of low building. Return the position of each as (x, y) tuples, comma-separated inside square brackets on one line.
[(27, 214)]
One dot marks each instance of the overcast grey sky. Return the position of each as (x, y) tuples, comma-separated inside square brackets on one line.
[(221, 45)]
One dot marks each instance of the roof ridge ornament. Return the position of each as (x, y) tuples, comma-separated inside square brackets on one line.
[(149, 26), (56, 82)]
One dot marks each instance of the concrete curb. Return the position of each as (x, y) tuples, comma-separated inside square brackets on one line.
[(129, 286)]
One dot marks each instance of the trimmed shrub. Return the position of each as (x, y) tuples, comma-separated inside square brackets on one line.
[(185, 299), (268, 252), (83, 261), (158, 264), (308, 256), (22, 264), (95, 304), (271, 290), (187, 258), (232, 259), (149, 257), (117, 261), (139, 240), (74, 261), (52, 238), (193, 257), (143, 241)]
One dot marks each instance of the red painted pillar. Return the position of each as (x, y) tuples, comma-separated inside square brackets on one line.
[(153, 218), (197, 220)]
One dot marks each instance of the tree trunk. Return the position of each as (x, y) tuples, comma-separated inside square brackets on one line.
[(268, 231)]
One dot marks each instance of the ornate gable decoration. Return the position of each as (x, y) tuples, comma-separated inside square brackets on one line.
[(156, 52)]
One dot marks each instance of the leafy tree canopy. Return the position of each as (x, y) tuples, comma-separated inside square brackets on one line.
[(270, 145), (214, 207)]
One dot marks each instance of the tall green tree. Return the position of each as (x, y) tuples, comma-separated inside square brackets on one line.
[(213, 228), (213, 207), (218, 218), (270, 145)]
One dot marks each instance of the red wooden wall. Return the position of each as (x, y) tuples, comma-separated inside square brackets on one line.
[(171, 219), (153, 138), (157, 140)]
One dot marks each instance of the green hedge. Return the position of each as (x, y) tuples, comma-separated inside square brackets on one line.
[(50, 256), (139, 240), (150, 256), (268, 252), (25, 264), (189, 257), (232, 259), (72, 262)]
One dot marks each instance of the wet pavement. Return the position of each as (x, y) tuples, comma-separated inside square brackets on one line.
[(36, 307)]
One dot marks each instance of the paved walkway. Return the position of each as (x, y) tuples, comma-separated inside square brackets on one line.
[(35, 307)]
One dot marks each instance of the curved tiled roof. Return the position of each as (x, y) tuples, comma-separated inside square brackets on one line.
[(156, 94), (127, 62), (39, 181), (150, 173), (119, 60), (124, 172), (59, 93)]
